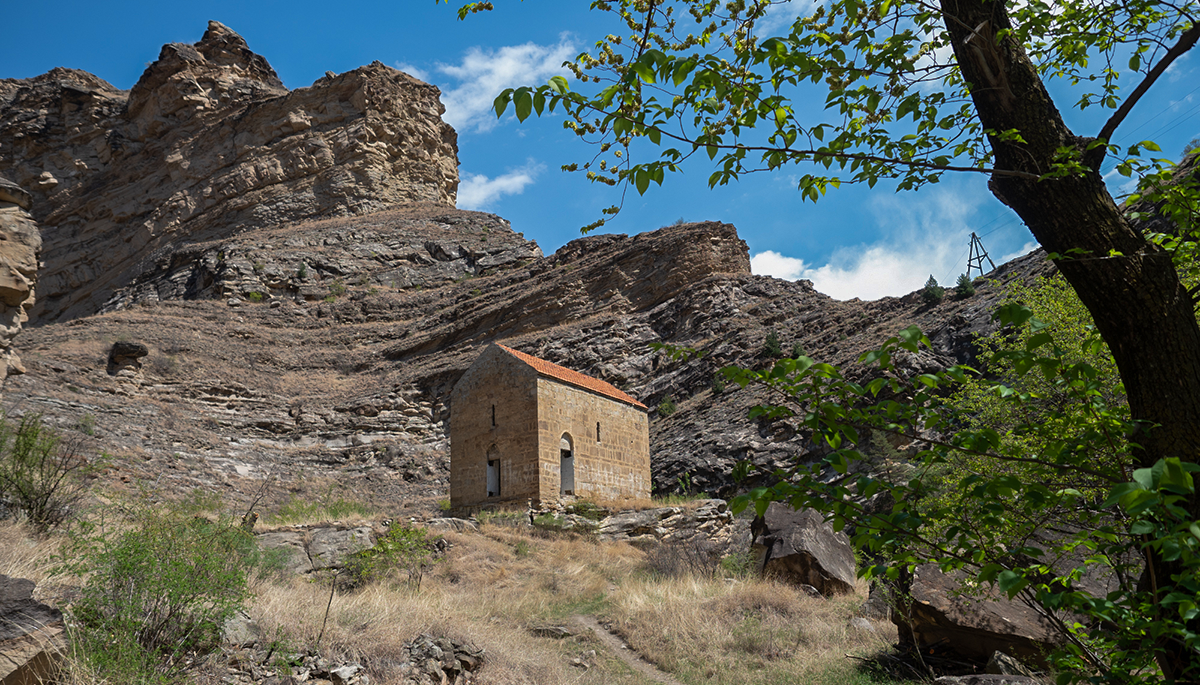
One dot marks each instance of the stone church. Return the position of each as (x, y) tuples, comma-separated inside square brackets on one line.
[(522, 428)]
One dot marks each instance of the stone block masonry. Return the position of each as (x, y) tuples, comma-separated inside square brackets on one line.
[(524, 429)]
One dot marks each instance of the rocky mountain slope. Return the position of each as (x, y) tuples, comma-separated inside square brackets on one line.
[(307, 295)]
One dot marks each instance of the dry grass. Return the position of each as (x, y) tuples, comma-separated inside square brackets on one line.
[(493, 586), (759, 631)]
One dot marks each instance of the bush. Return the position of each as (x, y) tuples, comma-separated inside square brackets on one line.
[(41, 476), (255, 296), (155, 592), (797, 351), (404, 547), (667, 407), (965, 286), (932, 293), (772, 347), (337, 288), (302, 272), (718, 384)]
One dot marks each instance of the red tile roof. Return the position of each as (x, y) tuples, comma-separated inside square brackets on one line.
[(575, 378)]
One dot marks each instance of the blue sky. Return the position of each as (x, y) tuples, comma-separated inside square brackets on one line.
[(855, 242)]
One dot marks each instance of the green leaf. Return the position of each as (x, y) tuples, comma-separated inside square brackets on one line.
[(523, 103)]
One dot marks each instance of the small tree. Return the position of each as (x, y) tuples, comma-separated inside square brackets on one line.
[(932, 293), (965, 287), (771, 346), (667, 407)]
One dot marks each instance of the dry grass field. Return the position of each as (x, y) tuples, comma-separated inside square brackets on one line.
[(492, 588)]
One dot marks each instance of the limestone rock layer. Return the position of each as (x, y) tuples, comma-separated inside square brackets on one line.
[(20, 246), (208, 142)]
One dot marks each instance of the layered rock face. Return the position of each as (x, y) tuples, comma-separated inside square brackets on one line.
[(208, 142), (20, 247)]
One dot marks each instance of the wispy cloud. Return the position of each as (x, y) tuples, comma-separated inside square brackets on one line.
[(925, 236), (477, 191), (781, 15), (470, 86)]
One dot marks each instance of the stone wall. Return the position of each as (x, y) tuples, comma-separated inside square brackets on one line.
[(500, 381), (20, 246), (613, 465)]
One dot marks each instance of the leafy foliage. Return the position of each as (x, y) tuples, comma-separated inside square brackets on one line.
[(404, 547), (157, 586), (42, 475), (1047, 479)]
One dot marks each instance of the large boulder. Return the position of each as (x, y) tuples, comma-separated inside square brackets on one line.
[(801, 547), (976, 624), (31, 635)]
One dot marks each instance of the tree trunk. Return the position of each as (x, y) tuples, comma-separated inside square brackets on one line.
[(1129, 285)]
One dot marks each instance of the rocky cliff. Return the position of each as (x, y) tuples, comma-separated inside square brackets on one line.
[(20, 247), (208, 143), (296, 295)]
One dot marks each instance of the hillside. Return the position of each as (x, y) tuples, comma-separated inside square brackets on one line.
[(308, 295)]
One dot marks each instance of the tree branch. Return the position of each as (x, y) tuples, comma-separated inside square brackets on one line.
[(1186, 40)]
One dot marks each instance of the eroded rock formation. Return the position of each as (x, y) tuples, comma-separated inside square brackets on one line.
[(208, 143), (20, 247)]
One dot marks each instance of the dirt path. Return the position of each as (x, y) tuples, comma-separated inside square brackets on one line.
[(623, 652)]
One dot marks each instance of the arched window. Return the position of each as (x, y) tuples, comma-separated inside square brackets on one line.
[(493, 471), (566, 466)]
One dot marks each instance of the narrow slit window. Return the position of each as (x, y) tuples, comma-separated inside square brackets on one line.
[(597, 431), (493, 416)]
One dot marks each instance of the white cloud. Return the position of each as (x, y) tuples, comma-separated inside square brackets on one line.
[(412, 70), (927, 235), (781, 15), (1020, 252), (477, 191), (470, 87)]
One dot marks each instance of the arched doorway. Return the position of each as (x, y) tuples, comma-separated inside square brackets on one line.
[(566, 466), (493, 472)]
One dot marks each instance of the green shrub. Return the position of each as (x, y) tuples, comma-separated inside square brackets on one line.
[(302, 272), (718, 384), (667, 407), (155, 592), (772, 347), (404, 547), (41, 476), (255, 296), (965, 287), (932, 293), (337, 288), (797, 351)]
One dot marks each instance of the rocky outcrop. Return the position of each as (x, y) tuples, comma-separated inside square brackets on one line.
[(799, 546), (708, 526), (940, 611), (20, 248), (31, 635), (208, 143)]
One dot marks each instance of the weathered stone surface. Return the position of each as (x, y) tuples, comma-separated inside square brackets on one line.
[(710, 527), (31, 635), (431, 660), (293, 554), (20, 247), (801, 547), (985, 679), (327, 547), (208, 143), (1002, 664), (974, 625)]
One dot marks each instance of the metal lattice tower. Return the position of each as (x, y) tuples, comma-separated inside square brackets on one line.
[(977, 255)]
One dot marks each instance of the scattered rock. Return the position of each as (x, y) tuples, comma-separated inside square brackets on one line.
[(31, 635), (1003, 664), (802, 548), (553, 632), (328, 547), (985, 679), (439, 660)]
